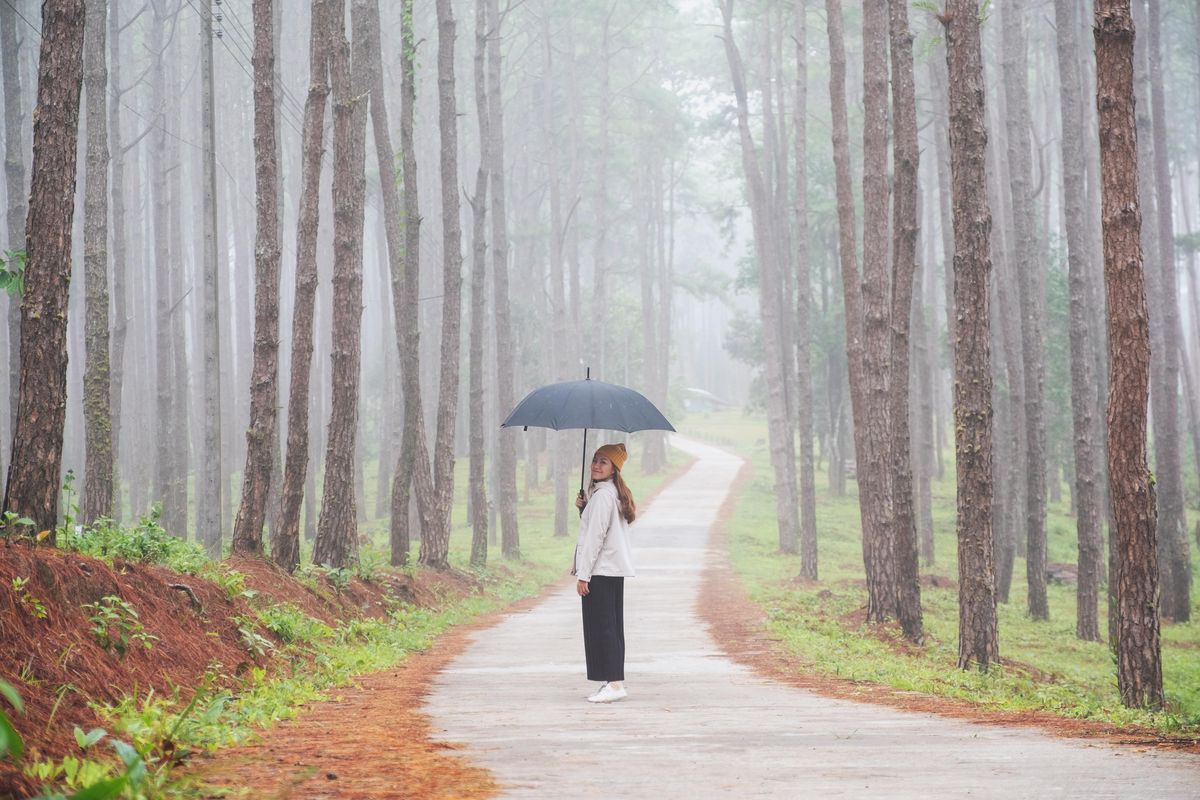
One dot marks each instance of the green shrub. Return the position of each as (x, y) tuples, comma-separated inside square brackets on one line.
[(145, 543), (290, 624)]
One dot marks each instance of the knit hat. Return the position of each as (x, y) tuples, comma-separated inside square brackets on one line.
[(615, 453)]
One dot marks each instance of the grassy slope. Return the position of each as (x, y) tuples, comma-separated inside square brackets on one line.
[(819, 625)]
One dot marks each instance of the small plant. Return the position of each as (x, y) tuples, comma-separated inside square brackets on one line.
[(115, 625), (252, 640), (230, 580), (370, 562), (13, 525), (11, 745), (12, 272), (339, 577), (33, 604)]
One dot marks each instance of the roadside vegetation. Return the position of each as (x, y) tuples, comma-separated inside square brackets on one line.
[(821, 624), (158, 652)]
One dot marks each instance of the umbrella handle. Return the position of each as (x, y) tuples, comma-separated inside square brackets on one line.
[(583, 465)]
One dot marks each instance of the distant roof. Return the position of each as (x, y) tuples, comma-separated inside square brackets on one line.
[(694, 392)]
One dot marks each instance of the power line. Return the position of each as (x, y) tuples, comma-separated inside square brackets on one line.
[(33, 28)]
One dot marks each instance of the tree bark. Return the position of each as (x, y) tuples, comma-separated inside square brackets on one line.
[(906, 161), (1028, 285), (209, 483), (14, 184), (412, 469), (874, 472), (1174, 551), (1139, 648), (506, 461), (977, 631), (261, 437), (165, 458), (779, 426), (337, 529), (120, 321), (479, 205), (33, 473), (98, 479), (560, 337), (1086, 490), (804, 387), (435, 544), (285, 543), (847, 248)]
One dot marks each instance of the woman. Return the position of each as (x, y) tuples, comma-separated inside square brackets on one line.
[(602, 563)]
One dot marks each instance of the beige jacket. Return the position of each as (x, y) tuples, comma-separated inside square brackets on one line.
[(603, 547)]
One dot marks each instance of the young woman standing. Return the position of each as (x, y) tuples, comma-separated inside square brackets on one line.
[(602, 563)]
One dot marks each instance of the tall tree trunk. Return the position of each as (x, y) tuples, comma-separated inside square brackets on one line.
[(906, 160), (165, 460), (1086, 490), (804, 387), (33, 473), (435, 545), (875, 477), (978, 642), (847, 252), (560, 337), (779, 426), (261, 436), (1028, 285), (478, 488), (337, 529), (599, 334), (412, 469), (120, 321), (14, 184), (506, 461), (1139, 647), (1174, 551), (180, 371), (98, 480), (285, 543), (209, 484)]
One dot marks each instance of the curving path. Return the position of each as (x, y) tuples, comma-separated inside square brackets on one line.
[(697, 725)]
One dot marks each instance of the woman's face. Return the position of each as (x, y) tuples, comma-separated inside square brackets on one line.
[(602, 468)]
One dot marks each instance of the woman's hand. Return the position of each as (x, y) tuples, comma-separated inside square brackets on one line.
[(582, 587), (580, 501)]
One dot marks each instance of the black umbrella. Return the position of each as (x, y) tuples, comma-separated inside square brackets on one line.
[(587, 404)]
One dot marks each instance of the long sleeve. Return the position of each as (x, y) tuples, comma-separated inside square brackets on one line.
[(594, 529)]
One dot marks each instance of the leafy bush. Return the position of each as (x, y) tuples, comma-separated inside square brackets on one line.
[(115, 625), (290, 624), (146, 543)]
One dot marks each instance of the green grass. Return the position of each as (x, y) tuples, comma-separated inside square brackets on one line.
[(812, 621)]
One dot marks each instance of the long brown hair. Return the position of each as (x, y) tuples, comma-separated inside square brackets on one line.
[(624, 496)]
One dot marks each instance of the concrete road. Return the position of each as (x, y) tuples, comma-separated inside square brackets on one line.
[(697, 725)]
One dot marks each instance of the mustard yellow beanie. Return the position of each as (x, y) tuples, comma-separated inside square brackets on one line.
[(615, 453)]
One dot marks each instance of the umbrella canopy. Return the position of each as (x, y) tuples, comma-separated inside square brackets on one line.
[(587, 404)]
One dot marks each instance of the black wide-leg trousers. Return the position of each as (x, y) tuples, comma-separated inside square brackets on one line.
[(604, 628)]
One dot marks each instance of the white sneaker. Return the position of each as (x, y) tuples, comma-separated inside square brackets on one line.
[(608, 694)]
